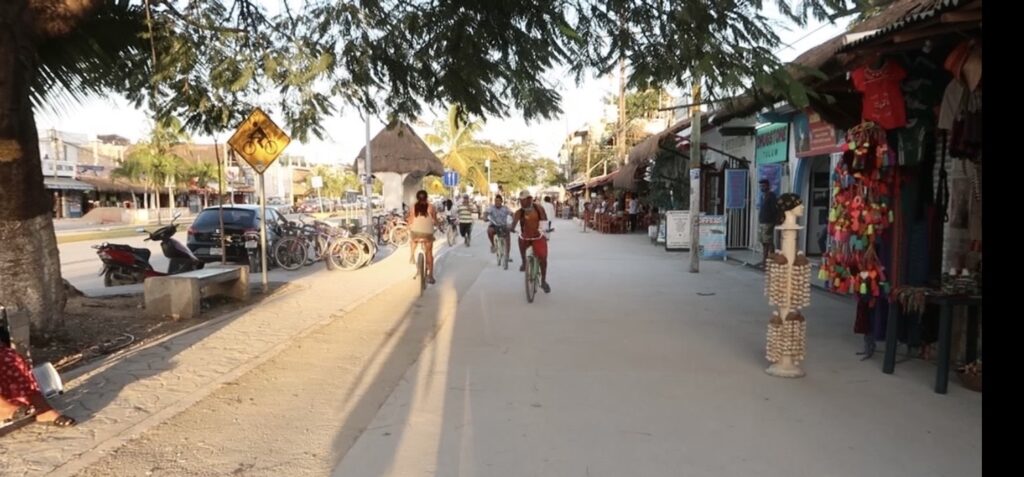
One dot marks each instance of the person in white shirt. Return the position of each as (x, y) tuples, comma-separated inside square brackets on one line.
[(632, 208), (549, 211)]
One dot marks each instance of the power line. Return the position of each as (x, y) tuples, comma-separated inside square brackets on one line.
[(798, 40)]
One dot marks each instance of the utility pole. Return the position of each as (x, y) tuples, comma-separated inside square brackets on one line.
[(621, 140), (695, 160)]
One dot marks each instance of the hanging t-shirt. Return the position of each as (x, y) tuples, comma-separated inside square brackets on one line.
[(952, 104), (883, 99)]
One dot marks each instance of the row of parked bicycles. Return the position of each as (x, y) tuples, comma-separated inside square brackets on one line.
[(341, 248)]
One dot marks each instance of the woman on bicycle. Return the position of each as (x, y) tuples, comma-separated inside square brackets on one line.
[(422, 220)]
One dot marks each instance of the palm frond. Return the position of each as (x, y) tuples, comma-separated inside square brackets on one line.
[(105, 50)]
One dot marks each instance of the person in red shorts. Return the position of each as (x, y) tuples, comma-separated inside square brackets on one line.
[(531, 217)]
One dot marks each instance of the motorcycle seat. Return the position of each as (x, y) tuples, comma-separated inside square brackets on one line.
[(144, 253)]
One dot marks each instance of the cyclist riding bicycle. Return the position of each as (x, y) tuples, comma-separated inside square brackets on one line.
[(422, 219), (531, 217), (497, 217)]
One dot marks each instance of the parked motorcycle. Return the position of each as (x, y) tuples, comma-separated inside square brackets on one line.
[(126, 265)]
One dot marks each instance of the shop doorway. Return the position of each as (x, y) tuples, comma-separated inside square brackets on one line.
[(818, 196)]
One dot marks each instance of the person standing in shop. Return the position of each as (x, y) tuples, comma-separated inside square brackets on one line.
[(768, 218)]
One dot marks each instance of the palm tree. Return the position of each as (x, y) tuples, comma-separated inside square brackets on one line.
[(132, 170), (202, 173), (453, 142)]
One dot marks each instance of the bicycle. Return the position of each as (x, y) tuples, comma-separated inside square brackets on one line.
[(500, 234), (259, 138), (533, 274), (303, 245)]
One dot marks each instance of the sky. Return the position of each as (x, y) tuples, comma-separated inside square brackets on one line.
[(347, 131)]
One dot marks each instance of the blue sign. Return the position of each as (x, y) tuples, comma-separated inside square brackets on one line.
[(736, 188), (450, 178)]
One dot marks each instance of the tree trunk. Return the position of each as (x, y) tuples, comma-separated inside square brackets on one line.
[(29, 260), (156, 200)]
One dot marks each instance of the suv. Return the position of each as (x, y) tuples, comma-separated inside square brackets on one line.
[(240, 222)]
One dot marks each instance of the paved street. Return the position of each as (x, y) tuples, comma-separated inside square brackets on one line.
[(631, 366), (80, 265)]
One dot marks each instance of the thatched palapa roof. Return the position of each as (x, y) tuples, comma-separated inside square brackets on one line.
[(397, 148)]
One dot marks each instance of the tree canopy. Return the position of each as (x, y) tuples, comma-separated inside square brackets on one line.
[(209, 61)]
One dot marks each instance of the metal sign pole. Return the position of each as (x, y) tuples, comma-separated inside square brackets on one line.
[(263, 231), (220, 204), (368, 180)]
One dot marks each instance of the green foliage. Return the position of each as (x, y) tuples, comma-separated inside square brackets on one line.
[(216, 59), (727, 44), (453, 141), (337, 181)]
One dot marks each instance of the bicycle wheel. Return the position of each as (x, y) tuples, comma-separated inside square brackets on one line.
[(366, 248), (504, 256), (346, 255), (400, 236), (499, 248), (421, 270), (371, 245), (290, 253), (531, 279)]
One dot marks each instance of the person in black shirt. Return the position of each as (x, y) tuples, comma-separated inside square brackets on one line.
[(768, 218)]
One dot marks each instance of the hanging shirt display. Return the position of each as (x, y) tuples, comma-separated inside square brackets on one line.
[(883, 99)]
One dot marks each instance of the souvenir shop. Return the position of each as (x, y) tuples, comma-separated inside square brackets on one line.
[(904, 223)]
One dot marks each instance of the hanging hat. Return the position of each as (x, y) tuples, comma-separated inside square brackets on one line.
[(524, 194), (971, 70)]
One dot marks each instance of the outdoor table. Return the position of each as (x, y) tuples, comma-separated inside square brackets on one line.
[(946, 304)]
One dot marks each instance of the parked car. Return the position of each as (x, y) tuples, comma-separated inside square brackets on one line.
[(240, 222), (279, 205)]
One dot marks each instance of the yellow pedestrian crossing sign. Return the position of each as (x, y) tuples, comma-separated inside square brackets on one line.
[(259, 141)]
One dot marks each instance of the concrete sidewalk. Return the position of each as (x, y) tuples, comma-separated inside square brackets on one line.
[(126, 395), (632, 366)]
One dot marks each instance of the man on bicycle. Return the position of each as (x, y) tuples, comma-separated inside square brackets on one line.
[(466, 212), (531, 218), (497, 217)]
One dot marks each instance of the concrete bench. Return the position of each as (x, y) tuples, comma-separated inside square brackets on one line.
[(180, 295)]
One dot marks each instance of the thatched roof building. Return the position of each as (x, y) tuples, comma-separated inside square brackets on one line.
[(397, 148)]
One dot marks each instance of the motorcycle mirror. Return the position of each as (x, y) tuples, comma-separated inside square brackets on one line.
[(177, 215)]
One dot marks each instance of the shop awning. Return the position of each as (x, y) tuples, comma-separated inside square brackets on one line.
[(104, 184), (65, 183), (602, 181)]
